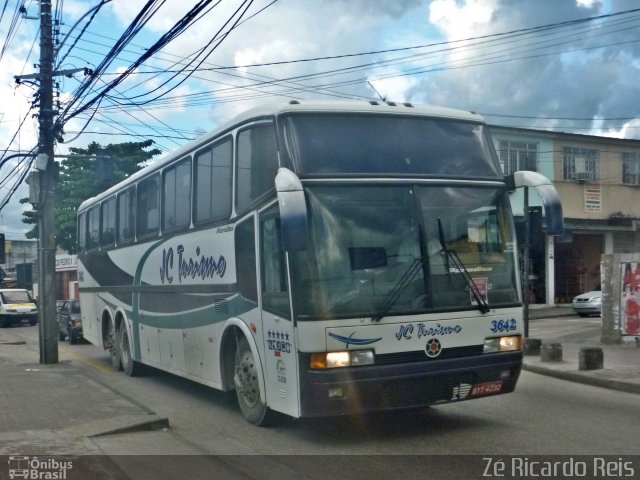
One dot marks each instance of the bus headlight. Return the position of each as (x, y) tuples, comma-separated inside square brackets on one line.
[(351, 358), (502, 344)]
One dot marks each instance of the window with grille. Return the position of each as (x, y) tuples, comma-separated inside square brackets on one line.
[(631, 168), (516, 156), (580, 164)]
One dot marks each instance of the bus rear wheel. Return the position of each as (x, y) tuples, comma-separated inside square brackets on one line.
[(112, 345), (245, 378), (129, 365)]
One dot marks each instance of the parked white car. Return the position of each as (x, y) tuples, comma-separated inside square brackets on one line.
[(16, 305), (589, 303)]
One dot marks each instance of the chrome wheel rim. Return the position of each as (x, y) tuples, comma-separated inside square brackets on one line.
[(247, 379)]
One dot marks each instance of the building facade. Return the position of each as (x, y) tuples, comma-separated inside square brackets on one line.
[(598, 179), (67, 277), (21, 263)]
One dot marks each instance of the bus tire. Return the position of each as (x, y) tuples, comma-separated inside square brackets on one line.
[(247, 385), (129, 365), (113, 347)]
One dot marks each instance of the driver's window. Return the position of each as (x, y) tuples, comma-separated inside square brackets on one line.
[(275, 289)]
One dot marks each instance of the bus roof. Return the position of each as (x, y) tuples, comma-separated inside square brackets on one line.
[(279, 108), (373, 106)]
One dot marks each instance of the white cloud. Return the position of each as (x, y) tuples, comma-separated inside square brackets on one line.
[(458, 20), (630, 130), (601, 84), (587, 3), (395, 89)]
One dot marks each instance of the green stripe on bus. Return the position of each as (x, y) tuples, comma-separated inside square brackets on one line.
[(135, 300)]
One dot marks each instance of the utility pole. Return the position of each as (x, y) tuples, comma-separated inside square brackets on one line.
[(525, 267), (46, 202), (42, 184)]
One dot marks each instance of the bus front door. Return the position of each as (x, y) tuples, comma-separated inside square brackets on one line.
[(281, 368)]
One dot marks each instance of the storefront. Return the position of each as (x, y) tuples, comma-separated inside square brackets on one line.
[(66, 277)]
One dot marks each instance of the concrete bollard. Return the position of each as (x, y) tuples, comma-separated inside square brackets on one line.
[(591, 358), (531, 346), (551, 352)]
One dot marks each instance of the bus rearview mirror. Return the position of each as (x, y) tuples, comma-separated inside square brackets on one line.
[(293, 211)]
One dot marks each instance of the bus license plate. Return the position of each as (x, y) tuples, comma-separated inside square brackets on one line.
[(486, 388)]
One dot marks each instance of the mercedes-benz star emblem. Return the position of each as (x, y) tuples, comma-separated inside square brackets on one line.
[(434, 347)]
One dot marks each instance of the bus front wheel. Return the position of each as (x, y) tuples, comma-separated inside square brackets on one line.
[(245, 378)]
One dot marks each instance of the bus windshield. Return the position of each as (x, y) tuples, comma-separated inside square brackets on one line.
[(404, 249), (317, 144)]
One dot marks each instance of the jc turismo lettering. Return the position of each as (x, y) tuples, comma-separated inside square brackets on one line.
[(200, 266)]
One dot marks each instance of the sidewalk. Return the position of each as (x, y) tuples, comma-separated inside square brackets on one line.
[(621, 362), (56, 409)]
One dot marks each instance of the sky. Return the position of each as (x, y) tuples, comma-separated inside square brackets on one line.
[(531, 63)]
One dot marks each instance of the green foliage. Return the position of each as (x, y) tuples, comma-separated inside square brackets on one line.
[(30, 217), (81, 178)]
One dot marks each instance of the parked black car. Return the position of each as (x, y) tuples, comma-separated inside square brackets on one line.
[(70, 321)]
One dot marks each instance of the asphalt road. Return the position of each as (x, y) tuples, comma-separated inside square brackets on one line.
[(544, 416)]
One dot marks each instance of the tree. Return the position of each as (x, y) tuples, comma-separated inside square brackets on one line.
[(81, 178)]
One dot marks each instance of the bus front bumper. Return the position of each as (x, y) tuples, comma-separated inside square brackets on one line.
[(343, 391)]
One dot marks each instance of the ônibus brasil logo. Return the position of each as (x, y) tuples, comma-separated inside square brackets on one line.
[(34, 468)]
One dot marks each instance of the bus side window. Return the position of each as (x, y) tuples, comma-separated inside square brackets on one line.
[(108, 222), (126, 216), (275, 296), (148, 203), (212, 199), (176, 196), (257, 164), (245, 239), (82, 232), (93, 227)]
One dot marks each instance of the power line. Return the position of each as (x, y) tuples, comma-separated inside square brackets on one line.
[(435, 44), (441, 67), (292, 86), (94, 11), (266, 88), (558, 118), (136, 135), (188, 19), (142, 18)]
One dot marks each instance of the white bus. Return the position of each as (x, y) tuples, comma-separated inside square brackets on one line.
[(317, 258)]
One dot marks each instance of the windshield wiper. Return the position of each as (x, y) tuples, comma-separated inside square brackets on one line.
[(406, 278), (451, 255)]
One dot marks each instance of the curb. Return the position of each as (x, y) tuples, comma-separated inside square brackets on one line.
[(584, 379), (123, 424)]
